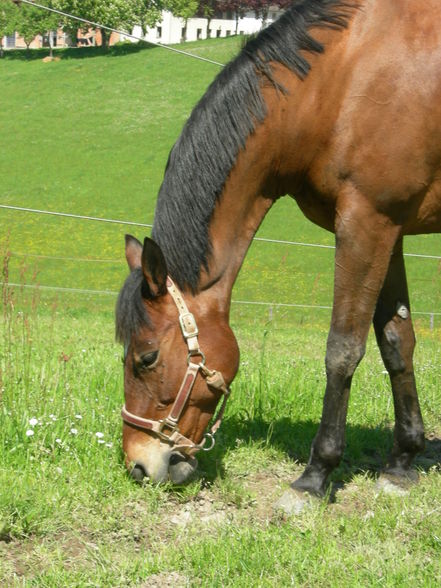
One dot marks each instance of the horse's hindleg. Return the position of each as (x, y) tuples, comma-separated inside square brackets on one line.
[(396, 340), (365, 241)]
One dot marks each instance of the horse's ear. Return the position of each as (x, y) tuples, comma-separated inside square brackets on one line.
[(154, 268), (133, 252)]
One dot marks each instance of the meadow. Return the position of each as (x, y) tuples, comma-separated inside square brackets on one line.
[(90, 135)]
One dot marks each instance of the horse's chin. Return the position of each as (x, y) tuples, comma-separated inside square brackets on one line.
[(181, 468)]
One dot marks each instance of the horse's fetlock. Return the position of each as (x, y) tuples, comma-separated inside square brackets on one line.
[(415, 440), (329, 451), (411, 440)]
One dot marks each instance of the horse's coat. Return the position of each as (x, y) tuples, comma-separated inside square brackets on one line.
[(353, 135)]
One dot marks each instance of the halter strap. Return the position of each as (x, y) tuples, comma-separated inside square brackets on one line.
[(167, 429), (187, 321)]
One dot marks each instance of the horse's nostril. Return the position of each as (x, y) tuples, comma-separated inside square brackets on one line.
[(175, 458), (181, 468), (138, 473)]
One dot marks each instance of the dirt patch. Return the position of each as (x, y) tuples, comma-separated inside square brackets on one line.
[(210, 509), (166, 580), (136, 528)]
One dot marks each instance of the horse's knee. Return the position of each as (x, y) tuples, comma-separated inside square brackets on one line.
[(343, 354)]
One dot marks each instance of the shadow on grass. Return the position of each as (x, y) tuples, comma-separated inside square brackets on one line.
[(366, 448), (77, 52)]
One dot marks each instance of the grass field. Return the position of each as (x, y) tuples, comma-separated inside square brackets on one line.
[(90, 135)]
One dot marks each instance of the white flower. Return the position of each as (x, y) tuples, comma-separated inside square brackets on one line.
[(78, 416), (58, 441), (100, 440), (33, 421), (29, 433), (74, 431), (99, 435), (109, 444)]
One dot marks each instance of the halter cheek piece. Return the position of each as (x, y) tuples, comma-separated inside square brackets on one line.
[(167, 429)]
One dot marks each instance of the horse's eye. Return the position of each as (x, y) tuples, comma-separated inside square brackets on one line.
[(148, 360)]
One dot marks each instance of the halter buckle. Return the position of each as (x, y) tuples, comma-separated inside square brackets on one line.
[(168, 424), (188, 325), (212, 440)]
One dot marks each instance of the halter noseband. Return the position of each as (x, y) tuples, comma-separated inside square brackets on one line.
[(167, 429)]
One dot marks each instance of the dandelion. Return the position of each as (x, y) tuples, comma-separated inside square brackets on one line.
[(33, 421), (99, 435), (29, 433), (74, 431)]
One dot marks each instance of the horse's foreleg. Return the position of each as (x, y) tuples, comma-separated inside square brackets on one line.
[(364, 244), (396, 340)]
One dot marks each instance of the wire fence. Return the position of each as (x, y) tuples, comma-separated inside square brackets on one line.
[(138, 224), (88, 291)]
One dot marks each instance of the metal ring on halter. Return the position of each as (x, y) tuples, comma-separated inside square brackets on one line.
[(212, 439), (194, 354)]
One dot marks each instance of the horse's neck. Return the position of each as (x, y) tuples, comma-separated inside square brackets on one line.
[(247, 196), (272, 164)]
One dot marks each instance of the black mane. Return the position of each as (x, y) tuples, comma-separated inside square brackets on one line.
[(130, 310), (218, 128), (204, 154)]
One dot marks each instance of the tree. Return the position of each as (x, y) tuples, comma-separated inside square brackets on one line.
[(8, 17), (237, 7), (261, 7), (146, 13), (32, 21), (112, 14), (184, 9), (118, 14), (207, 9)]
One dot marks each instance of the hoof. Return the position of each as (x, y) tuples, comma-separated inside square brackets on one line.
[(292, 503), (392, 486), (400, 476)]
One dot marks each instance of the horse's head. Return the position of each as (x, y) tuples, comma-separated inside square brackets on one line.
[(171, 346)]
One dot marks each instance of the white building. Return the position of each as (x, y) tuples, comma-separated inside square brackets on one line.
[(172, 29)]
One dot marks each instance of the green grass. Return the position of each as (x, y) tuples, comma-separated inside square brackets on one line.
[(90, 135), (70, 516)]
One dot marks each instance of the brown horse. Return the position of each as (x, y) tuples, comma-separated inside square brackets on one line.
[(337, 104)]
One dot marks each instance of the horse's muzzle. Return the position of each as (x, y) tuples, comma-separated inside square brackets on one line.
[(173, 467)]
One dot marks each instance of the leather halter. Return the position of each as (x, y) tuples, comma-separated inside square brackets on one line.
[(167, 429)]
